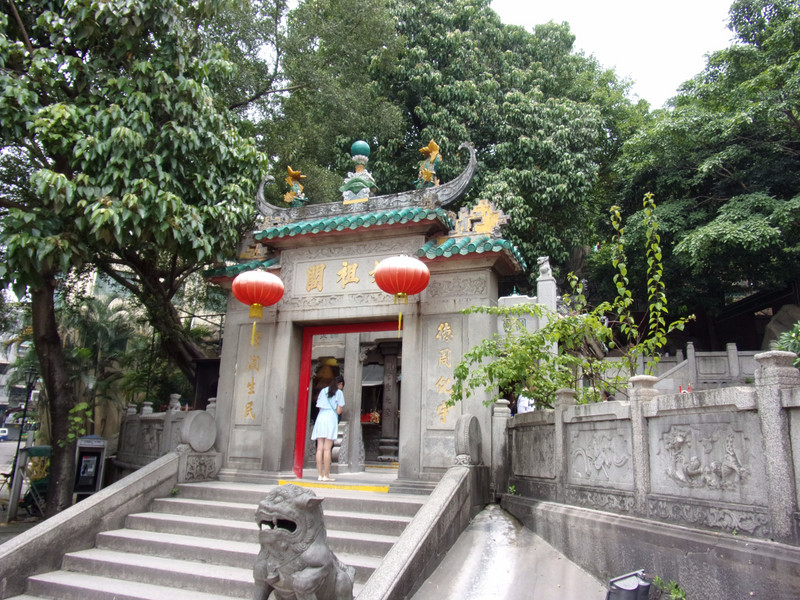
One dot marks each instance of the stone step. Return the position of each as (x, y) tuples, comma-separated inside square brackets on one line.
[(334, 519), (209, 551), (337, 497), (158, 570), (202, 543), (182, 547), (370, 544), (64, 585)]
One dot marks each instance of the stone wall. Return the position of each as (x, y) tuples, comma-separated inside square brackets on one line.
[(716, 459), (701, 488), (147, 436)]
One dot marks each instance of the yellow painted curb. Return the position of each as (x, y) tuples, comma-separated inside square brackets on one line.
[(386, 466), (384, 489)]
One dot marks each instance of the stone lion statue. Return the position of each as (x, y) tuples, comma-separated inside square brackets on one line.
[(295, 559)]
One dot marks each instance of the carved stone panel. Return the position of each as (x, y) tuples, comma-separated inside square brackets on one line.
[(728, 518), (600, 454), (708, 457), (468, 285), (441, 346), (252, 374), (338, 275), (533, 451), (600, 499)]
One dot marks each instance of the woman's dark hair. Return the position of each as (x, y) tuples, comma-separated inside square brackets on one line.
[(335, 385)]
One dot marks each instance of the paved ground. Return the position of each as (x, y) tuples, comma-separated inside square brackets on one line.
[(496, 557)]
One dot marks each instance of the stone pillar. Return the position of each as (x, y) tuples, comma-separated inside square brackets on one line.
[(211, 407), (641, 389), (389, 442), (774, 373), (691, 359), (733, 360), (546, 289), (500, 459), (564, 399), (546, 293), (352, 459)]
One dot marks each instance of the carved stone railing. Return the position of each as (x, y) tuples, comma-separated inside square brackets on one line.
[(147, 436), (717, 459)]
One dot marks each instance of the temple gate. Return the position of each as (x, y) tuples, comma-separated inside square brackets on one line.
[(333, 319)]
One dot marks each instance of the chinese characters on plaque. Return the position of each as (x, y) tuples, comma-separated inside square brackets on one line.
[(442, 338), (253, 362), (348, 275)]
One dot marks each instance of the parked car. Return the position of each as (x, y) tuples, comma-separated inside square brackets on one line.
[(3, 434)]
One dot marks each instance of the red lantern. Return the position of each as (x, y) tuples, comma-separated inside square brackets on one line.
[(257, 289), (401, 276)]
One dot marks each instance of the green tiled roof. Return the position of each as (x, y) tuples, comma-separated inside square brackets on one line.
[(467, 245), (234, 270), (342, 222)]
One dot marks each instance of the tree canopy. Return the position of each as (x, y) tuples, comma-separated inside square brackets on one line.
[(723, 163), (117, 151), (544, 120)]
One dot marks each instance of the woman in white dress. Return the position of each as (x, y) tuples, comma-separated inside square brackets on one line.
[(330, 403)]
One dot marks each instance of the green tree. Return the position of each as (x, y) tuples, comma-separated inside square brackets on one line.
[(571, 345), (132, 162), (541, 117), (331, 55), (725, 163)]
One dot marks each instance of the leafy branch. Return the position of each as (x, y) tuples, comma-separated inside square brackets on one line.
[(569, 347)]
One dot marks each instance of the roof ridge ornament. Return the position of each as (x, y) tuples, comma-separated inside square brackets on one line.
[(482, 218), (432, 197)]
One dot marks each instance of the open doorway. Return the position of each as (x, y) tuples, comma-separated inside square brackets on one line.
[(313, 373)]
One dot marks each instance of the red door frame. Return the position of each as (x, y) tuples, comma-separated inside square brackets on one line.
[(305, 377)]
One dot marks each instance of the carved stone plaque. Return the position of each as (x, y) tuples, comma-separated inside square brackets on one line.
[(708, 457), (599, 454)]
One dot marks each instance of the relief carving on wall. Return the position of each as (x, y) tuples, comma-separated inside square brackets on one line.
[(152, 438), (714, 517), (704, 460), (619, 503), (458, 286), (200, 467), (596, 460)]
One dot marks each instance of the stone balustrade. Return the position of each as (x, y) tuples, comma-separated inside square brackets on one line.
[(147, 436), (718, 459)]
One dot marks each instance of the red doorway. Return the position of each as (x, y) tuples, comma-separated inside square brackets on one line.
[(305, 377)]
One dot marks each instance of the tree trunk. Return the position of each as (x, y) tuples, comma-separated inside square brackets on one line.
[(175, 340), (60, 396)]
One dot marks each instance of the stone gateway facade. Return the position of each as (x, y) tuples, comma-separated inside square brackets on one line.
[(333, 319)]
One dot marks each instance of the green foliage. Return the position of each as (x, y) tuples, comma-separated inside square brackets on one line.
[(112, 111), (640, 339), (78, 416), (669, 591), (544, 120), (789, 341), (725, 164), (570, 346)]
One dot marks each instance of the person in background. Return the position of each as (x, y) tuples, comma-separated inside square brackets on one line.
[(524, 402), (608, 396), (330, 403)]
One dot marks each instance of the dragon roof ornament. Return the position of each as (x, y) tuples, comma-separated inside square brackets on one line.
[(431, 197)]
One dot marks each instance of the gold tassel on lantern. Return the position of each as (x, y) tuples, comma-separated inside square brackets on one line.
[(256, 312)]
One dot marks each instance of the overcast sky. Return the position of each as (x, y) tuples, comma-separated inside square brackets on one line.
[(658, 44)]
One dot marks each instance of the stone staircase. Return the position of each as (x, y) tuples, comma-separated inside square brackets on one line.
[(201, 544)]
